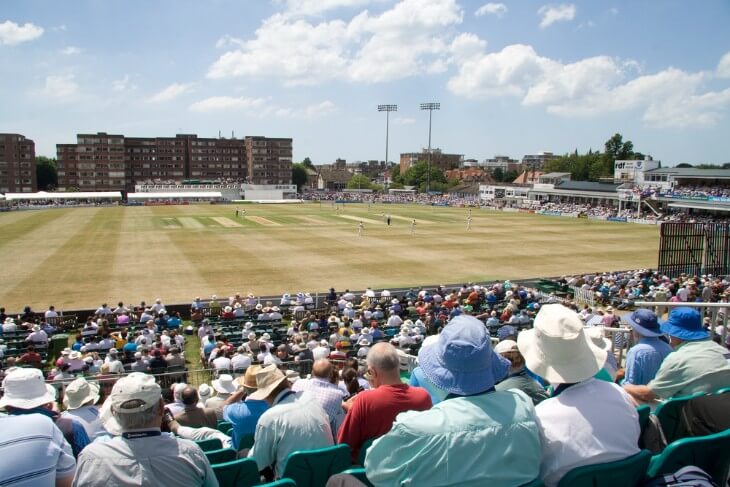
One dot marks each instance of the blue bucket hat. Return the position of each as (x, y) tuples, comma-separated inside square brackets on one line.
[(506, 331), (686, 324), (462, 361), (645, 323)]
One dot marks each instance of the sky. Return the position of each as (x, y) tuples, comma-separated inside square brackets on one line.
[(513, 77)]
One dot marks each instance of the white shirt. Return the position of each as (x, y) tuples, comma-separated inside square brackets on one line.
[(395, 320), (223, 363), (9, 327), (51, 314), (591, 422), (240, 361), (89, 418), (157, 307), (292, 423), (37, 337)]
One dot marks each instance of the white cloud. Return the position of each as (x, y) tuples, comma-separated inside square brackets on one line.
[(171, 92), (12, 33), (404, 121), (222, 103), (497, 9), (556, 13), (70, 50), (723, 67), (123, 84), (589, 87), (60, 87), (408, 39)]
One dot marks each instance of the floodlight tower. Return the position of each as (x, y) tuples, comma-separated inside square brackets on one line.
[(387, 109), (430, 107)]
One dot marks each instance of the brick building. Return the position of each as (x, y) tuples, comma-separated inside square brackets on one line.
[(439, 159), (102, 162), (17, 164)]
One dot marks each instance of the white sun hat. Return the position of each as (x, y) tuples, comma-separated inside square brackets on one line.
[(80, 392), (26, 389)]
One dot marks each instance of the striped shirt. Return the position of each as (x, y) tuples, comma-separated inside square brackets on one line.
[(34, 452)]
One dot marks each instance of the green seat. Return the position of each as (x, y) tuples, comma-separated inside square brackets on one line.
[(359, 474), (363, 451), (723, 390), (669, 414), (221, 456), (280, 483), (710, 453), (628, 472), (312, 468), (210, 444), (237, 473), (223, 426), (535, 483)]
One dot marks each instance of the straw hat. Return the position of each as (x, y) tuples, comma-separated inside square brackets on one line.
[(248, 380), (80, 392), (557, 348), (267, 379)]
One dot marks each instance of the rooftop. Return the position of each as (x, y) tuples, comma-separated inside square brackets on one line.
[(692, 172)]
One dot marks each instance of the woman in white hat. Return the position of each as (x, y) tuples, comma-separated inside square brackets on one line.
[(80, 398), (586, 421)]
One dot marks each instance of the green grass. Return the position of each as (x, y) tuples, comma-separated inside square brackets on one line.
[(81, 257)]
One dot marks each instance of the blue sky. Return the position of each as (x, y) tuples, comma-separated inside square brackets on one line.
[(512, 77)]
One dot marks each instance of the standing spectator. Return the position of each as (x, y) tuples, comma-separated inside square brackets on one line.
[(370, 414), (141, 455), (644, 359)]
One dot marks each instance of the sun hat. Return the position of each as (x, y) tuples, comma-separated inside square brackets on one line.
[(506, 331), (9, 321), (557, 348), (26, 389), (462, 361), (74, 355), (224, 384), (644, 322), (597, 335), (131, 394), (686, 324), (36, 328), (80, 392), (204, 391), (248, 380), (364, 342), (227, 309), (506, 346), (265, 337), (267, 379)]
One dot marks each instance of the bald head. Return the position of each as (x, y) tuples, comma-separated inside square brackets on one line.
[(189, 396), (383, 356), (322, 369)]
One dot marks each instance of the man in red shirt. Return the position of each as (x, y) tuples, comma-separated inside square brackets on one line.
[(31, 357), (371, 413)]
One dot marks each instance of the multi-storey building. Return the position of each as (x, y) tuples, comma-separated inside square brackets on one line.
[(269, 160), (17, 164), (439, 159), (536, 161), (113, 162)]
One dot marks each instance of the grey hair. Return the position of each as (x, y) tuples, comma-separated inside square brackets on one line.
[(148, 418), (383, 356)]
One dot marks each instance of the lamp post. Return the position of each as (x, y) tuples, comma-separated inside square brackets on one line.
[(387, 109), (430, 107)]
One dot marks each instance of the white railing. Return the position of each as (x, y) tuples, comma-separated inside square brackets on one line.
[(584, 296)]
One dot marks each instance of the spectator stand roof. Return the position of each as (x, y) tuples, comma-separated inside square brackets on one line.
[(182, 195), (81, 195)]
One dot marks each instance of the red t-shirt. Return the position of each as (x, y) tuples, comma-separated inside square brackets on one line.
[(373, 412)]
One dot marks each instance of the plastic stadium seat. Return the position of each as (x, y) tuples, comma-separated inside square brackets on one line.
[(312, 468), (644, 413), (710, 453), (363, 451), (669, 414), (237, 473), (359, 474), (281, 483), (223, 426), (628, 472), (221, 456), (534, 483), (210, 445)]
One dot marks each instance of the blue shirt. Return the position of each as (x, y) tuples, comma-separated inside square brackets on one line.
[(174, 322), (129, 347), (419, 379), (244, 416), (488, 439), (644, 359)]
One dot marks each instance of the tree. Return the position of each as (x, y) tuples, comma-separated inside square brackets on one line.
[(498, 174), (684, 164), (417, 175), (358, 181), (45, 173), (307, 162), (299, 176), (395, 175)]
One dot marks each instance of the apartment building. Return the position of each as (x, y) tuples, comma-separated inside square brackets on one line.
[(439, 159), (17, 164), (269, 160)]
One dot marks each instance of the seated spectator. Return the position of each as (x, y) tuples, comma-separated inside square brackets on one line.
[(323, 388), (37, 336), (80, 398), (644, 359), (241, 411), (174, 322), (26, 393), (518, 377), (157, 363), (192, 415), (586, 421), (174, 358), (176, 406), (291, 423), (31, 357), (420, 444), (9, 325), (370, 414), (140, 364), (224, 387), (697, 364), (141, 454)]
